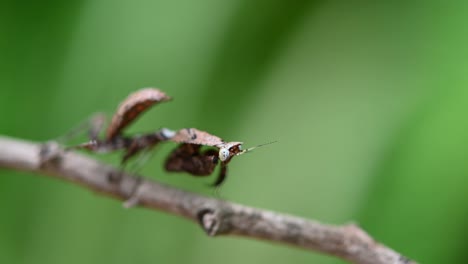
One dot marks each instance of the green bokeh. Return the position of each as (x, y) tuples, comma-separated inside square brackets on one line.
[(367, 100)]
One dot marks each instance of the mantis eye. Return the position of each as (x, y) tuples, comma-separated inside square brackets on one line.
[(223, 154)]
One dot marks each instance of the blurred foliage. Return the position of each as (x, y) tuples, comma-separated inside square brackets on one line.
[(368, 102)]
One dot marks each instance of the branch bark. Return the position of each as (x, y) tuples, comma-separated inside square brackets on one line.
[(216, 217)]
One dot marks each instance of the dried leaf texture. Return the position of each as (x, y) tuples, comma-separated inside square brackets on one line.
[(132, 107)]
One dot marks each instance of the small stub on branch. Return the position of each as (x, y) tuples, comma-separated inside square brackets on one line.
[(134, 197)]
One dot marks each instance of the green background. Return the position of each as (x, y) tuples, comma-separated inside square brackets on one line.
[(368, 101)]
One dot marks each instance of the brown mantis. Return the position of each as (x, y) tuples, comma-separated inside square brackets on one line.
[(187, 157)]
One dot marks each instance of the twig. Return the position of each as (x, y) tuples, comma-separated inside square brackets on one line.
[(216, 217)]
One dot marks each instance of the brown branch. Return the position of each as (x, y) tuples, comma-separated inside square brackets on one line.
[(215, 216)]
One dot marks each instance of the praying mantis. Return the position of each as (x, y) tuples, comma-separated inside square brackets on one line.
[(187, 157)]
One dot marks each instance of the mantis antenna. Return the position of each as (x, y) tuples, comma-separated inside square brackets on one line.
[(252, 148)]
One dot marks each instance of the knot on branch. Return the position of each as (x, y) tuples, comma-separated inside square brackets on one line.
[(50, 154), (208, 220), (214, 221)]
